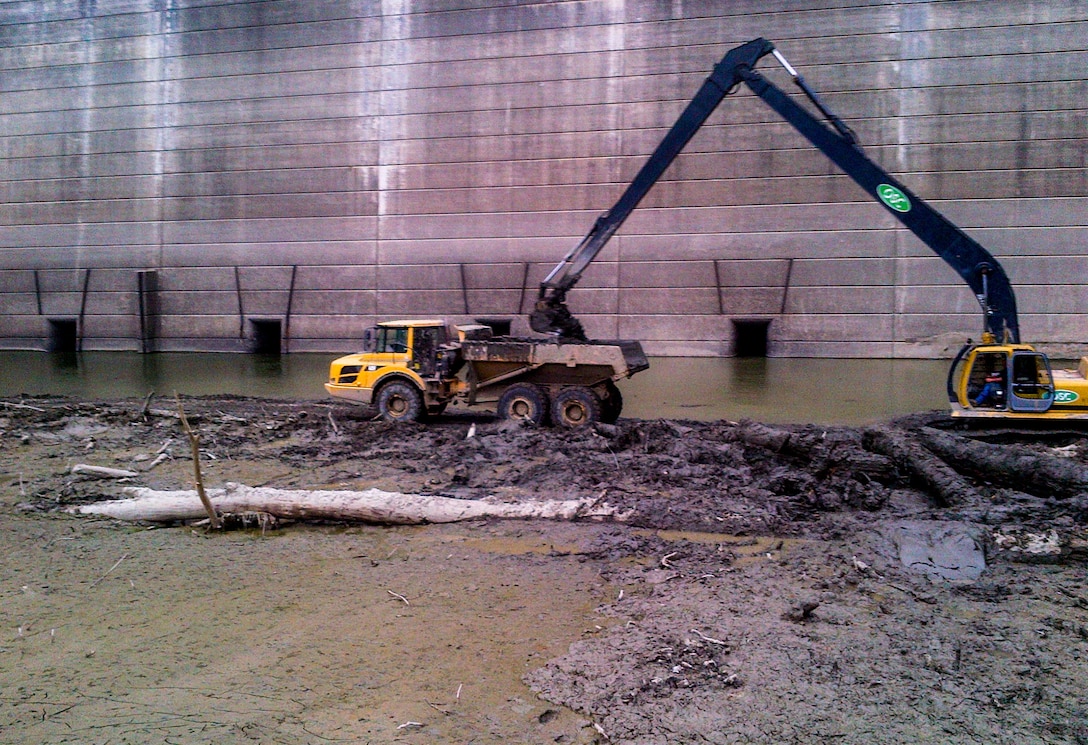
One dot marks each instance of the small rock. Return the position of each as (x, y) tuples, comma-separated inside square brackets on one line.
[(802, 610)]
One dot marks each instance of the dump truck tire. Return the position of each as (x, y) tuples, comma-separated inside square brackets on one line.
[(612, 404), (576, 407), (399, 401), (525, 402)]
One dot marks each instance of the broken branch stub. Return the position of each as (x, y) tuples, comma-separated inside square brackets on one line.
[(194, 445)]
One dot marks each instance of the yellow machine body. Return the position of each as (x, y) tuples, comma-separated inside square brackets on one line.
[(1013, 381)]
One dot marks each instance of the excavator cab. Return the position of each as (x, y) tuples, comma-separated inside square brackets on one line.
[(1032, 387), (992, 379)]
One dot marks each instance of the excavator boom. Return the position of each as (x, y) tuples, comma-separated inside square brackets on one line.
[(975, 265)]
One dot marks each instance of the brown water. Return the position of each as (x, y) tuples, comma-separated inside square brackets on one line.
[(826, 391)]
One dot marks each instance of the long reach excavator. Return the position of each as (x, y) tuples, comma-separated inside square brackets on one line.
[(997, 377)]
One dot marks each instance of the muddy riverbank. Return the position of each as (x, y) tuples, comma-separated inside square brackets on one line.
[(758, 590)]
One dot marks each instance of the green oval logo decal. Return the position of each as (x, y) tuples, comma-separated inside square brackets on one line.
[(1062, 396), (894, 198)]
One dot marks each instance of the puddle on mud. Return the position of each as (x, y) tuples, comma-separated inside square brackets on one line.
[(940, 549), (519, 546), (742, 548)]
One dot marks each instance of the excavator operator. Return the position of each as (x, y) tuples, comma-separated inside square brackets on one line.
[(993, 391)]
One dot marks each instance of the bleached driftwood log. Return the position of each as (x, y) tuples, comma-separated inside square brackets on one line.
[(101, 472), (372, 506)]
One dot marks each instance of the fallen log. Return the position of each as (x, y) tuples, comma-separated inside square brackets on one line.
[(13, 405), (371, 506), (778, 440), (1006, 465), (826, 451), (938, 478), (101, 472), (754, 433)]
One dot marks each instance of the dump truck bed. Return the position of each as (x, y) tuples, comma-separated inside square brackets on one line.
[(584, 363)]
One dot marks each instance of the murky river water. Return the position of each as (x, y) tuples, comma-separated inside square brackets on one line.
[(781, 390)]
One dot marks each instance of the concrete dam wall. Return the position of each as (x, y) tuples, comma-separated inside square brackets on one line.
[(215, 175)]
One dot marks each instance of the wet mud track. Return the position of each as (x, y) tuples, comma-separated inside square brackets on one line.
[(769, 584)]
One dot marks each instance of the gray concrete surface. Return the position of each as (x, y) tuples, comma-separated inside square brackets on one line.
[(327, 164)]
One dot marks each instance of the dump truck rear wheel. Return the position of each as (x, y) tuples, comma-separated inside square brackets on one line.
[(525, 402), (399, 401), (612, 404), (576, 407)]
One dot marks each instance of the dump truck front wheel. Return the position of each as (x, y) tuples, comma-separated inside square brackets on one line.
[(576, 407), (524, 401), (399, 401)]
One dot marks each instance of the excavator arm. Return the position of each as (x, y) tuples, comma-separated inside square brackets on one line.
[(551, 314), (975, 265)]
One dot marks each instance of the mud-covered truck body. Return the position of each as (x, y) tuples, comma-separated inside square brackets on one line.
[(409, 369)]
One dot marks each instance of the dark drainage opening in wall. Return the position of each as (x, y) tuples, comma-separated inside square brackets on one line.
[(499, 326), (267, 336), (63, 335), (751, 338)]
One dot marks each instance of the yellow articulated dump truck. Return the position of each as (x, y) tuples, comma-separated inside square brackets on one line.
[(411, 369)]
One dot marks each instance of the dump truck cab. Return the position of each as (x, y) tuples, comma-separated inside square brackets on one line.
[(408, 355)]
